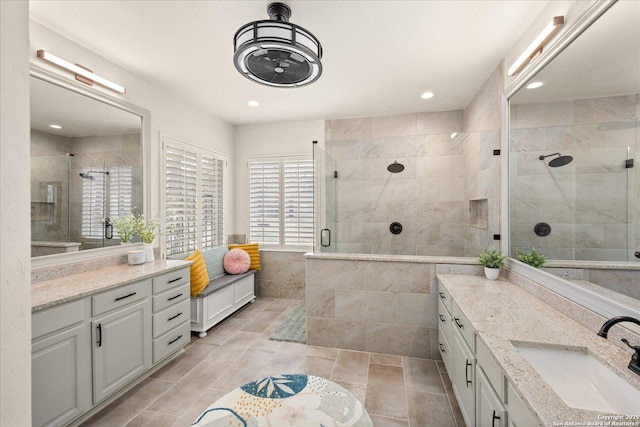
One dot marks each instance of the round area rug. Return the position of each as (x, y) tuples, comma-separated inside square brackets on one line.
[(294, 400)]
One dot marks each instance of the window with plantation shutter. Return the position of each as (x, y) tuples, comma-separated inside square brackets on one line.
[(264, 182), (194, 197), (211, 199), (298, 202), (281, 201)]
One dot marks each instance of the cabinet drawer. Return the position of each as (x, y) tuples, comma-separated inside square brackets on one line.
[(170, 280), (463, 325), (170, 297), (445, 349), (119, 297), (170, 318), (53, 319), (444, 320), (170, 342), (490, 367), (444, 296)]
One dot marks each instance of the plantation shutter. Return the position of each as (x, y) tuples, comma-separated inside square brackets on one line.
[(211, 199), (264, 183), (93, 205), (181, 200), (298, 202), (121, 191)]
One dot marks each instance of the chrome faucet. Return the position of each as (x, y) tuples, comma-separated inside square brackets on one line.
[(634, 364)]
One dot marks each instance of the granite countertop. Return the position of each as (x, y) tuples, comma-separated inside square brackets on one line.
[(53, 292), (503, 313)]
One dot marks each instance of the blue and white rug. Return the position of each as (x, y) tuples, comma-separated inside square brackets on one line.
[(294, 400)]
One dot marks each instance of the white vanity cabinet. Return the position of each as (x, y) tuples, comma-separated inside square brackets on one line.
[(60, 364), (463, 370), (87, 352), (484, 396), (121, 337), (171, 313), (456, 342)]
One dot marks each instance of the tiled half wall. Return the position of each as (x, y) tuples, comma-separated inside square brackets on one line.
[(382, 306)]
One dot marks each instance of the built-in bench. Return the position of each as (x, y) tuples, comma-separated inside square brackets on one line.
[(224, 294)]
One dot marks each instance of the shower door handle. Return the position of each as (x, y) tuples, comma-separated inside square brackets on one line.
[(325, 232), (108, 229)]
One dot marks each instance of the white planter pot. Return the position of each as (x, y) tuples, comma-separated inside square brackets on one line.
[(148, 252), (491, 273)]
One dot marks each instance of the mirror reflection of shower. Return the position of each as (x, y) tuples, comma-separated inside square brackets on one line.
[(558, 161), (89, 174)]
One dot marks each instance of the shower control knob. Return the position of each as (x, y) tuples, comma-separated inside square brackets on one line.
[(395, 228), (637, 254)]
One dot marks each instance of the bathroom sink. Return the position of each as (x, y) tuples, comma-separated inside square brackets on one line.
[(582, 381)]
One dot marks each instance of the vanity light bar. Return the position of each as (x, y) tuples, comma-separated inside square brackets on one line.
[(536, 46), (80, 71)]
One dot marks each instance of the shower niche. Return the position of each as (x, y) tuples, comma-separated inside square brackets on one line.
[(86, 165)]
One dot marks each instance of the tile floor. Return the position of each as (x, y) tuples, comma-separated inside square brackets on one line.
[(397, 391)]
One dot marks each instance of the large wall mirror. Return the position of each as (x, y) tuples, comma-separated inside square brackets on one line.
[(574, 150), (86, 165)]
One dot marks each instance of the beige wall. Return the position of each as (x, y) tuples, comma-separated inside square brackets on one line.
[(15, 290), (282, 275)]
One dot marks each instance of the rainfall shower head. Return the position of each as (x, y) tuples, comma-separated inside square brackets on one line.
[(395, 167), (87, 175), (558, 161)]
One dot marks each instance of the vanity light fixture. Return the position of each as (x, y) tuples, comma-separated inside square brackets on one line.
[(427, 95), (82, 74), (276, 52), (536, 46)]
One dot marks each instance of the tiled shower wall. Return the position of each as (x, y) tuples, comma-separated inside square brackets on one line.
[(431, 197), (586, 201), (428, 198)]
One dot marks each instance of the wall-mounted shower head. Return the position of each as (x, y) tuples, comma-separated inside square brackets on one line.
[(88, 175), (558, 161), (395, 167)]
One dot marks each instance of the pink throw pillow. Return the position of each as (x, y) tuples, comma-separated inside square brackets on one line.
[(236, 261)]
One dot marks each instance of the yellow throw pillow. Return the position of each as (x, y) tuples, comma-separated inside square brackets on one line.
[(254, 253), (198, 273)]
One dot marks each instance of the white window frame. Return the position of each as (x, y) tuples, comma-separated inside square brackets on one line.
[(169, 141), (280, 159)]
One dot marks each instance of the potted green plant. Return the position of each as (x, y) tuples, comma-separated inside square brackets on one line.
[(147, 230), (532, 258), (493, 261)]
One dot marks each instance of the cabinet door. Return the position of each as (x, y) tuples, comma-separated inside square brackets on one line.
[(518, 415), (463, 377), (121, 348), (60, 376), (489, 409)]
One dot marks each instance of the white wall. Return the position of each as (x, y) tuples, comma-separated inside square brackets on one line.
[(169, 115), (15, 253), (290, 138)]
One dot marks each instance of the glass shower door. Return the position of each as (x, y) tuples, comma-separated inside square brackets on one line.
[(325, 194)]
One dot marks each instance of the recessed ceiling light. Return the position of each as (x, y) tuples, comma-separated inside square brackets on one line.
[(454, 134), (534, 85), (55, 126), (253, 103), (427, 95)]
